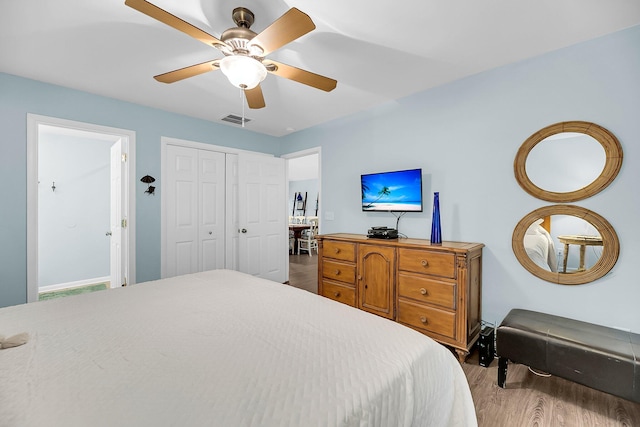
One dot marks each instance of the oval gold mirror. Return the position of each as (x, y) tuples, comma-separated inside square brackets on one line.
[(604, 168), (536, 250)]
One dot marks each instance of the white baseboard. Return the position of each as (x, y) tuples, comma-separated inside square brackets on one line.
[(75, 284)]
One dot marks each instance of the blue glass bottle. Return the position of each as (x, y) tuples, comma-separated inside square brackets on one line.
[(436, 231)]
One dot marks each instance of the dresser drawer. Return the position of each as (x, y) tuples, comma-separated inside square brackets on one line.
[(427, 262), (344, 251), (339, 271), (341, 293), (427, 318), (427, 290)]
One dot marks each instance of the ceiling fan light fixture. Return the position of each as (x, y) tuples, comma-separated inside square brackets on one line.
[(243, 71)]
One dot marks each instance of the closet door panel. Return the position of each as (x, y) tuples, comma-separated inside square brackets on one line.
[(195, 215), (223, 210), (181, 211), (211, 227)]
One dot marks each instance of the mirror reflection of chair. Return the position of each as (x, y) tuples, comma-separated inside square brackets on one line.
[(307, 241)]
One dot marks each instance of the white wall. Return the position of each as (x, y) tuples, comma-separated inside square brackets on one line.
[(465, 136), (73, 219)]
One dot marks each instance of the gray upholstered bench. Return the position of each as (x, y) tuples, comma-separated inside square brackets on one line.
[(599, 357)]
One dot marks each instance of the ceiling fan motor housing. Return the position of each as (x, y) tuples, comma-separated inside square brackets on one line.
[(238, 39), (243, 17)]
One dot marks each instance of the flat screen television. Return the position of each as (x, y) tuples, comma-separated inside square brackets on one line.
[(397, 191)]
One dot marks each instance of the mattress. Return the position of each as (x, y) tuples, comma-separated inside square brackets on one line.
[(221, 348)]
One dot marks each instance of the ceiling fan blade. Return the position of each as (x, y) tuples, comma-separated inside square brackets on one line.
[(254, 97), (186, 72), (300, 76), (287, 28), (173, 21)]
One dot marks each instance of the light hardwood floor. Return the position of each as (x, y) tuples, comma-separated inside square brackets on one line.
[(303, 271), (531, 400), (528, 400)]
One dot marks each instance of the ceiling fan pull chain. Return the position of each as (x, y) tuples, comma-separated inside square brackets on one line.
[(242, 101)]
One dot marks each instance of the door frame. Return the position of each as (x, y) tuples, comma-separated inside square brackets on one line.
[(305, 153), (164, 142), (128, 138), (295, 155)]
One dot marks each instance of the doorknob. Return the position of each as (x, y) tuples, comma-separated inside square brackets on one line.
[(108, 233), (210, 233), (244, 230)]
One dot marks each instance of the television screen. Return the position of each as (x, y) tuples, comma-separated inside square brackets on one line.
[(398, 191)]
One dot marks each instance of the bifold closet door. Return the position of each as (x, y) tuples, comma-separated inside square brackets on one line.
[(195, 213)]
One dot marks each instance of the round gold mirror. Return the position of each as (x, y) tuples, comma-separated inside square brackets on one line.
[(543, 240), (565, 154)]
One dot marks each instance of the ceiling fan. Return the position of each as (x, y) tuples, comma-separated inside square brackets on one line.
[(244, 62)]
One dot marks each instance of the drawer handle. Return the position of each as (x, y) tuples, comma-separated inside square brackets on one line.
[(424, 263), (337, 250), (336, 294), (423, 291), (423, 319), (337, 272)]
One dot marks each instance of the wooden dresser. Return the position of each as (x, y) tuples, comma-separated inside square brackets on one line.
[(434, 289)]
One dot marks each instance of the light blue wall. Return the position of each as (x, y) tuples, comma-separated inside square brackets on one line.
[(73, 218), (19, 96), (465, 136)]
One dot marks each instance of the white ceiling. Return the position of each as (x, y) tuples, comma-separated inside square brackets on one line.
[(377, 50)]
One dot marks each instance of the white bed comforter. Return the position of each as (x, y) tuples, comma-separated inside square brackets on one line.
[(221, 348)]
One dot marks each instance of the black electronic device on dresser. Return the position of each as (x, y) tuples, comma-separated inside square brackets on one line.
[(382, 233)]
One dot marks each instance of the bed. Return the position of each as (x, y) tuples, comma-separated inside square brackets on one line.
[(539, 245), (221, 348)]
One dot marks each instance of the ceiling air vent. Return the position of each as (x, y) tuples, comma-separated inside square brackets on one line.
[(236, 120)]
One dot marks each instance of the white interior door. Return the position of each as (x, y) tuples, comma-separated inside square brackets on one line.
[(263, 240), (182, 211), (211, 210), (116, 232), (195, 191)]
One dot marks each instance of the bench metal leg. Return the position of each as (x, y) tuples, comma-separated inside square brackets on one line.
[(502, 371)]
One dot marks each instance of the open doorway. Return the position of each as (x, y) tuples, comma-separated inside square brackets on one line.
[(304, 199), (79, 231)]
